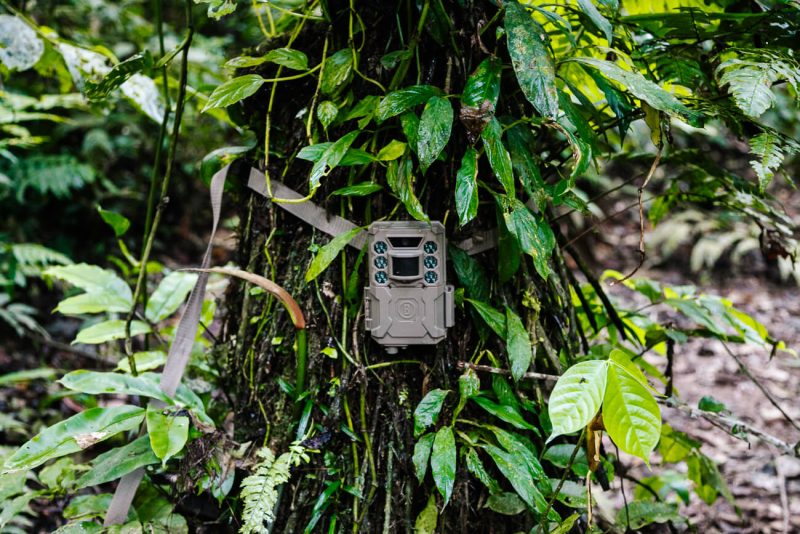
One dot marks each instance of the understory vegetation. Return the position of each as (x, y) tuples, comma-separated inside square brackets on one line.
[(527, 124)]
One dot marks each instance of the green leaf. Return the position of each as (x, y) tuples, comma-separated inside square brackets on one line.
[(504, 412), (79, 432), (710, 404), (470, 274), (118, 223), (524, 163), (17, 377), (330, 158), (392, 59), (145, 361), (577, 397), (402, 100), (483, 85), (476, 467), (514, 469), (769, 157), (630, 413), (353, 156), (400, 178), (337, 72), (243, 62), (434, 130), (168, 433), (638, 514), (109, 330), (518, 343), (87, 506), (109, 292), (422, 453), (498, 156), (597, 19), (467, 187), (469, 385), (118, 462), (329, 252), (326, 113), (749, 82), (410, 124), (428, 409), (494, 318), (533, 233), (509, 255), (118, 75), (391, 151), (505, 503), (527, 46), (427, 518), (291, 59), (643, 89), (358, 190), (99, 383), (443, 462), (559, 455), (169, 295), (233, 91)]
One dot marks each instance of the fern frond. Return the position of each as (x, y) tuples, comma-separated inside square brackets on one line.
[(260, 489), (56, 175), (19, 316), (32, 258), (751, 74), (769, 156)]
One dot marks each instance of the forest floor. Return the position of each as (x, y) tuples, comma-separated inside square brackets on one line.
[(764, 483)]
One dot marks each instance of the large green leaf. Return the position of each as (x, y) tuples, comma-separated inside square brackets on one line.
[(118, 462), (527, 46), (434, 130), (338, 72), (515, 470), (329, 252), (470, 273), (402, 100), (99, 383), (79, 432), (168, 433), (330, 158), (234, 90), (443, 462), (494, 318), (289, 58), (498, 156), (109, 331), (400, 177), (105, 291), (518, 343), (520, 145), (533, 233), (467, 187), (597, 18), (749, 82), (428, 518), (428, 409), (422, 453), (505, 503), (118, 75), (145, 361), (169, 295), (577, 396), (483, 85), (630, 413), (643, 89), (504, 412)]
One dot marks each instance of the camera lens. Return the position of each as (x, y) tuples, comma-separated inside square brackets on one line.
[(405, 266)]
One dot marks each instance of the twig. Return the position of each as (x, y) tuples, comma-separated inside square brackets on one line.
[(647, 178), (668, 371), (545, 523), (784, 495), (496, 370), (729, 423), (760, 386), (58, 345)]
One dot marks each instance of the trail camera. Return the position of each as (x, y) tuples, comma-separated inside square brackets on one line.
[(408, 301)]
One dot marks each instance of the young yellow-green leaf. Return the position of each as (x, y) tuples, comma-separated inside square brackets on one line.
[(422, 453), (483, 85), (400, 177), (494, 318), (79, 432), (467, 187), (105, 291), (108, 331), (518, 343), (169, 295), (118, 462), (329, 252), (234, 90), (597, 18), (428, 409), (168, 433), (643, 89), (391, 151), (292, 59), (443, 462), (99, 383), (330, 158), (402, 100), (338, 71), (527, 46), (498, 156), (534, 235), (118, 223), (630, 413), (434, 130), (326, 113), (427, 518), (577, 396), (145, 361)]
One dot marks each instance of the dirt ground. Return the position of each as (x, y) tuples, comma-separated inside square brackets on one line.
[(764, 483)]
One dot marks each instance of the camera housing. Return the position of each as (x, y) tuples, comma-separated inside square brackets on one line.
[(407, 301)]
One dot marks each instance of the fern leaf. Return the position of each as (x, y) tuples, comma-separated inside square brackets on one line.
[(751, 74), (56, 175), (32, 258), (769, 156)]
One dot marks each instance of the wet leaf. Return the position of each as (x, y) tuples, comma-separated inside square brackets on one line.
[(358, 190), (287, 57), (434, 130), (338, 71), (330, 158), (534, 235), (518, 343), (393, 150), (400, 178), (233, 91), (109, 331), (467, 187), (329, 252), (118, 462), (527, 46), (422, 453), (62, 438), (498, 156), (169, 295), (443, 462), (168, 433), (428, 409), (326, 113), (402, 100), (483, 85)]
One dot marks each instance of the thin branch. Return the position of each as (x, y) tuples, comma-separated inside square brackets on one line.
[(498, 371)]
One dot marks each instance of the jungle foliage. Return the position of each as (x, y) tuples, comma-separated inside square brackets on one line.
[(483, 115)]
